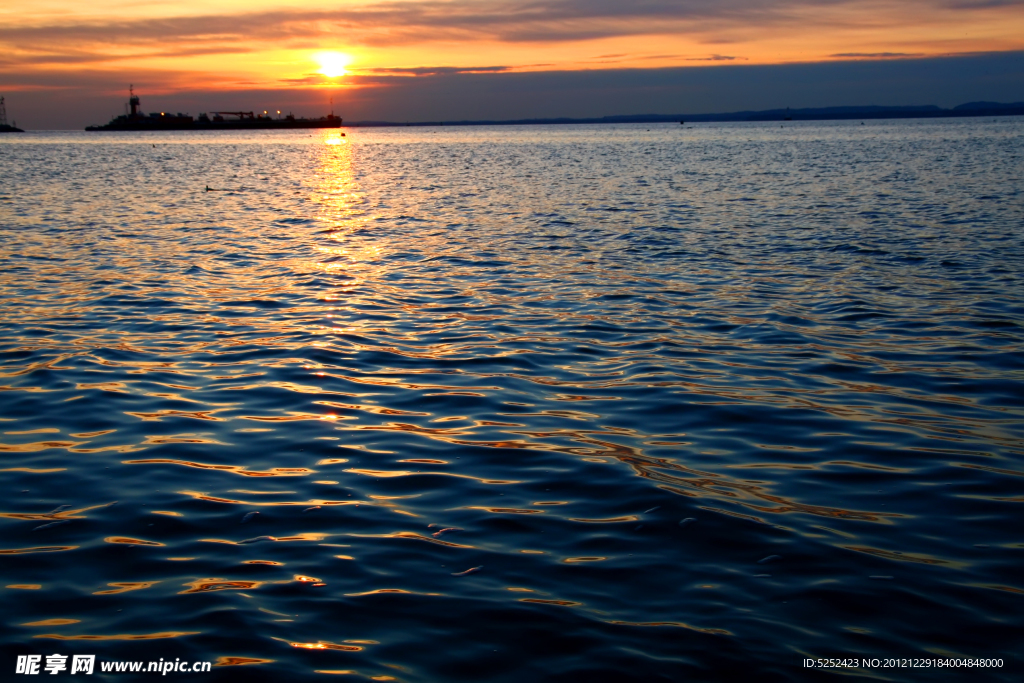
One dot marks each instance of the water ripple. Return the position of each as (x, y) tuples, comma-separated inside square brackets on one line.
[(539, 403)]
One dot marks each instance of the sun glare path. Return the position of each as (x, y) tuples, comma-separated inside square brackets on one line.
[(332, 64)]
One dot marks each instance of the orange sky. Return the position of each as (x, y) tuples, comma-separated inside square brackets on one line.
[(262, 44)]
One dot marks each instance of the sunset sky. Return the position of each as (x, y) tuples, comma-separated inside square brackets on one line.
[(67, 63)]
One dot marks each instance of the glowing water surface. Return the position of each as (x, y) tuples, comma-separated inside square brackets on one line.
[(526, 352)]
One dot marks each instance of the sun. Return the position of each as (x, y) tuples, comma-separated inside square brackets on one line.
[(332, 64)]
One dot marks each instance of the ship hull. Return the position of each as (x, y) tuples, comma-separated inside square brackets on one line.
[(244, 124)]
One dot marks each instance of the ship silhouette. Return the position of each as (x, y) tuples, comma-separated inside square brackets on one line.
[(218, 120)]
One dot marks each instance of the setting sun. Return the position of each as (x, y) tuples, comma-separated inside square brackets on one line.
[(332, 64)]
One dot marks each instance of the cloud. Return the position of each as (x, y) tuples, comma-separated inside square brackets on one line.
[(983, 4), (435, 70), (877, 55), (73, 101), (392, 22), (81, 57), (45, 43)]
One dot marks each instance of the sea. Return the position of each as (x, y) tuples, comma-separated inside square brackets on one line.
[(638, 402)]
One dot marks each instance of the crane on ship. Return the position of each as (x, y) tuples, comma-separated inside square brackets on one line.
[(133, 100)]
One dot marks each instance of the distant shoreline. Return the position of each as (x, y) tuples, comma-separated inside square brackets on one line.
[(862, 113), (972, 109)]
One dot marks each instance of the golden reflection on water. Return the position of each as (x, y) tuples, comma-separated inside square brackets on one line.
[(414, 536), (390, 590), (55, 515), (160, 415), (38, 549), (53, 622), (241, 661), (126, 636), (315, 502), (37, 446), (126, 587), (130, 541), (900, 556), (505, 511), (343, 211), (327, 645), (31, 470), (211, 585), (384, 474), (562, 603), (338, 672), (293, 537), (234, 469), (339, 196)]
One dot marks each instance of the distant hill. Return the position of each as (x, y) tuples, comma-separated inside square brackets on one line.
[(812, 114), (988, 105)]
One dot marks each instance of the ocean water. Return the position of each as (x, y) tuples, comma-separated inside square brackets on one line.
[(566, 403)]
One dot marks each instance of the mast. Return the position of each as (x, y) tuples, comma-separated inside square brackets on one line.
[(3, 112)]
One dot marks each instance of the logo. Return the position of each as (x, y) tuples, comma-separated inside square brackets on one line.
[(55, 663)]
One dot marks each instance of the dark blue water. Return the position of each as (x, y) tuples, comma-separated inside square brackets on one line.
[(274, 425)]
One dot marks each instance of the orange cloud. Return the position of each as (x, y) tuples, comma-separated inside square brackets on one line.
[(244, 44)]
